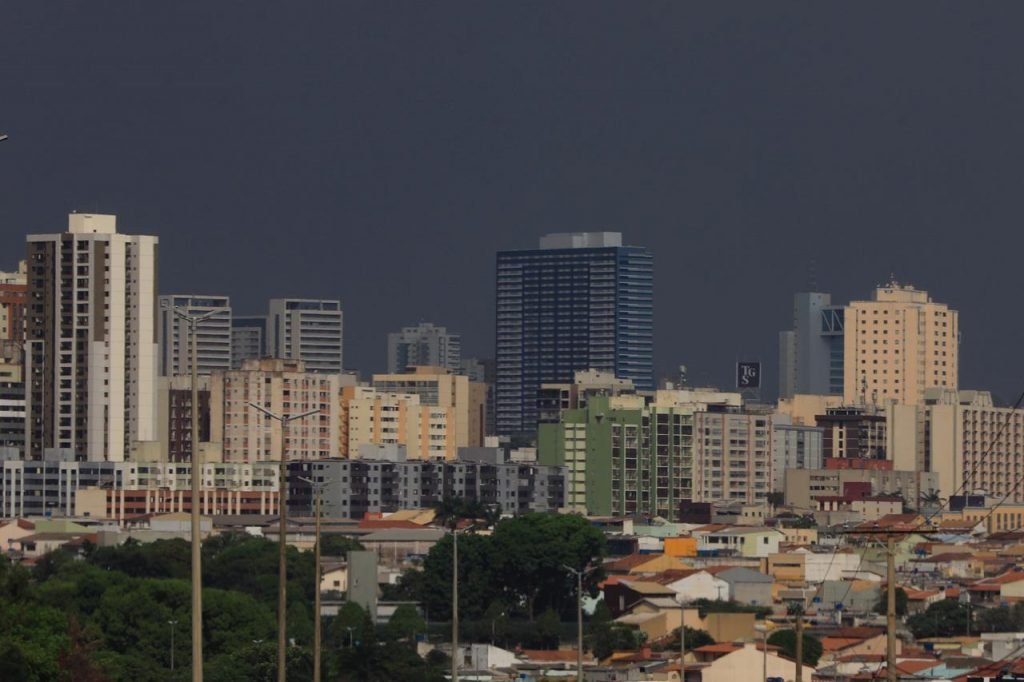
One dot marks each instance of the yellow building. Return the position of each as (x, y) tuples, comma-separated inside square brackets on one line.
[(373, 417), (897, 345), (440, 388)]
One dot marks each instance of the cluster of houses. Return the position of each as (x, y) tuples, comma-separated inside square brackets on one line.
[(738, 581)]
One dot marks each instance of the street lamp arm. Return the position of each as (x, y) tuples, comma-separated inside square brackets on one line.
[(296, 417), (266, 411)]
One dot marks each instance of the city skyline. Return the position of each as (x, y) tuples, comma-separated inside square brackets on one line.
[(741, 162)]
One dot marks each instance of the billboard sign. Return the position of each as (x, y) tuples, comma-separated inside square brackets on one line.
[(748, 375)]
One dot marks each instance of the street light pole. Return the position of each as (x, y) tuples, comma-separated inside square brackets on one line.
[(316, 594), (172, 623), (193, 320), (282, 565), (579, 573)]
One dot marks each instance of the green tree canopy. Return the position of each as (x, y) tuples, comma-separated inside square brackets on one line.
[(786, 641), (942, 619), (882, 605)]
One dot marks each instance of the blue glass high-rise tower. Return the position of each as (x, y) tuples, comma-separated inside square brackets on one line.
[(580, 301)]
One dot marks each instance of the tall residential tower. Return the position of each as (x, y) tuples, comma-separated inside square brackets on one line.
[(213, 334), (580, 301), (306, 329), (898, 345), (425, 344), (91, 347)]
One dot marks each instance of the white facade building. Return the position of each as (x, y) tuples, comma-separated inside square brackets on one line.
[(213, 334), (91, 347), (425, 344), (310, 330)]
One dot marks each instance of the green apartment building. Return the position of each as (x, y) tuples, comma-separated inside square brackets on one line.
[(628, 455), (623, 457)]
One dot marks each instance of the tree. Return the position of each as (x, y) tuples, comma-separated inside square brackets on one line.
[(531, 553), (338, 545), (405, 623), (942, 619), (882, 605), (694, 639), (786, 641)]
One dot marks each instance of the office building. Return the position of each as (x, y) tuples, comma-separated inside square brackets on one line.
[(794, 447), (811, 353), (898, 345), (306, 329), (285, 388), (425, 344), (91, 346), (580, 301), (248, 339), (356, 487), (213, 334)]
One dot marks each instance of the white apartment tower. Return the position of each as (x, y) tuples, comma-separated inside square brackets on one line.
[(91, 347), (213, 334), (306, 329), (425, 345), (897, 346)]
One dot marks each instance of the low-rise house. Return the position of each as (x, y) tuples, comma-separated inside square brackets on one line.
[(691, 585), (733, 662), (11, 533), (751, 541), (621, 595), (747, 586)]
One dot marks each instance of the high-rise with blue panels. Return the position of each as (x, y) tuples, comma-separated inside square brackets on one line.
[(580, 301)]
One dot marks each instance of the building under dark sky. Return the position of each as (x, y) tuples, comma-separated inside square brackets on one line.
[(580, 301)]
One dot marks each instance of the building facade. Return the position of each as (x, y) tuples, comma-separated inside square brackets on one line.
[(310, 330), (811, 353), (372, 418), (13, 298), (52, 486), (794, 447), (213, 334), (91, 347), (446, 390), (580, 301), (358, 487), (425, 344), (898, 345), (285, 388), (629, 455), (248, 339)]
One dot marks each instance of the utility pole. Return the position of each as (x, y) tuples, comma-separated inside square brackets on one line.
[(799, 644), (455, 604), (891, 673), (193, 320), (890, 611), (318, 487), (579, 573), (282, 565)]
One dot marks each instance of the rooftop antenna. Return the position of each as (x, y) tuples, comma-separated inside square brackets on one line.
[(812, 275)]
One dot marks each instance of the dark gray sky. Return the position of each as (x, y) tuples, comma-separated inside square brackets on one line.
[(381, 153)]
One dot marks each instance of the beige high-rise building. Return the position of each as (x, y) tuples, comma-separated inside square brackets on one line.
[(379, 418), (285, 388), (438, 387), (971, 444), (898, 345)]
